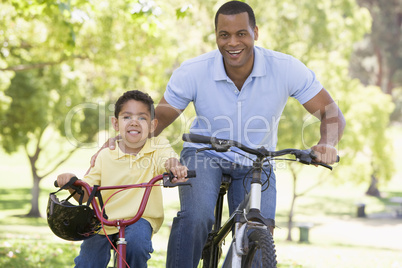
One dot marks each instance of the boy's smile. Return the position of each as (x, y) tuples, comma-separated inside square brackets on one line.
[(134, 124)]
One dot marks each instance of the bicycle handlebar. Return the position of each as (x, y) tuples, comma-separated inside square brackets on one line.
[(223, 145), (166, 177)]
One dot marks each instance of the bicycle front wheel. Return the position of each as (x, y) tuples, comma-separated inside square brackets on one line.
[(261, 251)]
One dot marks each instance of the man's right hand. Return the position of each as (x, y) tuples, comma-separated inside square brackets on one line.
[(110, 143)]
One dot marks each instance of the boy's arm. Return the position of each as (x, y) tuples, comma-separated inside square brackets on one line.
[(180, 171)]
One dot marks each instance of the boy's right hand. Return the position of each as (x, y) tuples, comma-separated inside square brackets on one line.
[(110, 143), (64, 178), (180, 173)]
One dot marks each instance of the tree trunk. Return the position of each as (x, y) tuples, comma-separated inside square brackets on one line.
[(290, 219), (291, 211), (373, 188), (34, 212)]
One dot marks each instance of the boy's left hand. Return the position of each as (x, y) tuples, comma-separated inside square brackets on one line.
[(180, 173)]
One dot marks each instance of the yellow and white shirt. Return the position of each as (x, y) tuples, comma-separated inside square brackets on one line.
[(114, 167)]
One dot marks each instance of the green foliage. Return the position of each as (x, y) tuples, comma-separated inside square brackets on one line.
[(366, 141), (41, 99), (310, 30), (63, 62), (109, 48), (377, 59)]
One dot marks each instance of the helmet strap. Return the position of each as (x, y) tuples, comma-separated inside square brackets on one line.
[(96, 193), (77, 189)]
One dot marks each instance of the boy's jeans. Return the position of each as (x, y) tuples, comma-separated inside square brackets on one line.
[(195, 219), (95, 251)]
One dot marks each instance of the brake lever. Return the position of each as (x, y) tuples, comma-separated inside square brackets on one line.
[(215, 147), (203, 149), (305, 156)]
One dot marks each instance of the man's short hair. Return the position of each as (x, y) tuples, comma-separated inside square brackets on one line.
[(233, 8)]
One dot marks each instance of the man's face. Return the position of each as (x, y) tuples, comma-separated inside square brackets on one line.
[(235, 39)]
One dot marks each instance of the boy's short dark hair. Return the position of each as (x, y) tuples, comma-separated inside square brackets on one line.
[(233, 8), (134, 95)]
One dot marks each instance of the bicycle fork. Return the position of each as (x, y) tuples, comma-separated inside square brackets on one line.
[(247, 216), (252, 218), (121, 247)]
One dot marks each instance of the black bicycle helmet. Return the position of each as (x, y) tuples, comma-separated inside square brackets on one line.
[(71, 222)]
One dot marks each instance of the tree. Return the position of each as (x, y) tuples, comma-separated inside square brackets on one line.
[(35, 113), (377, 59), (58, 59), (41, 87)]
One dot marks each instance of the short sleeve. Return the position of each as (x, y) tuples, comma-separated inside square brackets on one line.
[(303, 83), (180, 89), (94, 175), (162, 154)]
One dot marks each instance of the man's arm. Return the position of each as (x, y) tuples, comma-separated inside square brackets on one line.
[(332, 125), (166, 114)]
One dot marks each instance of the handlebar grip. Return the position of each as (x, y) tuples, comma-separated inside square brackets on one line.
[(191, 174), (167, 179), (313, 155), (196, 138), (70, 183)]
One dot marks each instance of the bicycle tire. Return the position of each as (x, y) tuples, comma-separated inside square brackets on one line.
[(261, 244)]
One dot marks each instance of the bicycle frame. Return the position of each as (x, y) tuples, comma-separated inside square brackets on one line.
[(121, 224)]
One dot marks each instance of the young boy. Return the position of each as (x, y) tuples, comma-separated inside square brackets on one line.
[(137, 160)]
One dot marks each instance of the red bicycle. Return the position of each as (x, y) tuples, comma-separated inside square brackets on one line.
[(64, 221)]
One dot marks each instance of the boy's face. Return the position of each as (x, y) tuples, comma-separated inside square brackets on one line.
[(134, 124)]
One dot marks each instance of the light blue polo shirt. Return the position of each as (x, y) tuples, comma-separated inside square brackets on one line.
[(250, 116)]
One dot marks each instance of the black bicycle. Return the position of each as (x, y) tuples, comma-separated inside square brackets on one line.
[(252, 244)]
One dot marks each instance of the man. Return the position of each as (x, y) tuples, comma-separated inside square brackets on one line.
[(239, 92)]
